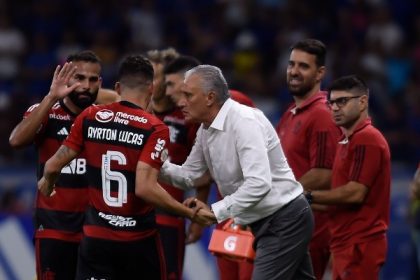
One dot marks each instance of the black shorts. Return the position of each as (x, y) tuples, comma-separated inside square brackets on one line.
[(114, 260), (172, 234), (55, 259)]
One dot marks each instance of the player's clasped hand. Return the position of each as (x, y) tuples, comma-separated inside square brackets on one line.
[(202, 213), (194, 233), (45, 187)]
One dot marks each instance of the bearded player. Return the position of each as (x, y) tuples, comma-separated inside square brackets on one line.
[(58, 219)]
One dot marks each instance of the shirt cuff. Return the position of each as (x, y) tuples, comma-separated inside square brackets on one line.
[(220, 211)]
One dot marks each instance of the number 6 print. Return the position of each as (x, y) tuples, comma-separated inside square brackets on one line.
[(108, 175)]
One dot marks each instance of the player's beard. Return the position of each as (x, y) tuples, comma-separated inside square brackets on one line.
[(83, 99), (301, 90)]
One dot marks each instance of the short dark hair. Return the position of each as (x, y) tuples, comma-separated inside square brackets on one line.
[(135, 71), (86, 56), (314, 47), (181, 64), (351, 83)]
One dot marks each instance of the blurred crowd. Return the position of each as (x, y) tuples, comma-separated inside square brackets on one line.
[(248, 40)]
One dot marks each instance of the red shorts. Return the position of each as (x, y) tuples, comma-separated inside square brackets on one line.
[(319, 247), (320, 257), (232, 270), (359, 261)]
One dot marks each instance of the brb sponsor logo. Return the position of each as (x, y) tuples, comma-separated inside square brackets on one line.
[(104, 115), (230, 243), (76, 166), (118, 221)]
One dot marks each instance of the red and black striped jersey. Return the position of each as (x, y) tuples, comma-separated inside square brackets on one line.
[(60, 216), (181, 139), (115, 138), (241, 98)]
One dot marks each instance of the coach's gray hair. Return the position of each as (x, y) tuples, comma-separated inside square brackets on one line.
[(211, 80)]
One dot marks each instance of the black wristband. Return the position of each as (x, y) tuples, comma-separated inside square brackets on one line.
[(309, 197)]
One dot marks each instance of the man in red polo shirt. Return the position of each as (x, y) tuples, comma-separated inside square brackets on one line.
[(309, 136), (360, 191)]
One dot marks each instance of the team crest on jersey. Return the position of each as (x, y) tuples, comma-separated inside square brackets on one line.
[(297, 127), (104, 115)]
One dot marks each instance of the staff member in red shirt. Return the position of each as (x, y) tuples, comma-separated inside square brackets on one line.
[(309, 136), (360, 193)]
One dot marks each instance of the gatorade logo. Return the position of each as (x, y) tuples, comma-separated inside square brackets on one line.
[(230, 243)]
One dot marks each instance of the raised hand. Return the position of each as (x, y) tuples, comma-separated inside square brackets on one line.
[(59, 86)]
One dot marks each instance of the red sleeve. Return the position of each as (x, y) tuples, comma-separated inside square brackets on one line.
[(155, 152), (241, 98), (41, 128), (324, 137), (75, 139), (366, 164), (30, 110)]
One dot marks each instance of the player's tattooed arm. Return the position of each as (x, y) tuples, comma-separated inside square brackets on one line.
[(53, 168), (64, 155)]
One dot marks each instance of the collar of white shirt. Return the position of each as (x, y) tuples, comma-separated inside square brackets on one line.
[(219, 121)]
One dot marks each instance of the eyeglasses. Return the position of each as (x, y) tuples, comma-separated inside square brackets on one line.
[(341, 101)]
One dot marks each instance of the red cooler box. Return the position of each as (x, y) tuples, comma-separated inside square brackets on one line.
[(232, 242)]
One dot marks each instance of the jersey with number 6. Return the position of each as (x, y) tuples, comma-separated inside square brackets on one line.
[(115, 138), (60, 216)]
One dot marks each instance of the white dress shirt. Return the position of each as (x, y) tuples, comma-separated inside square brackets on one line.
[(242, 151)]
